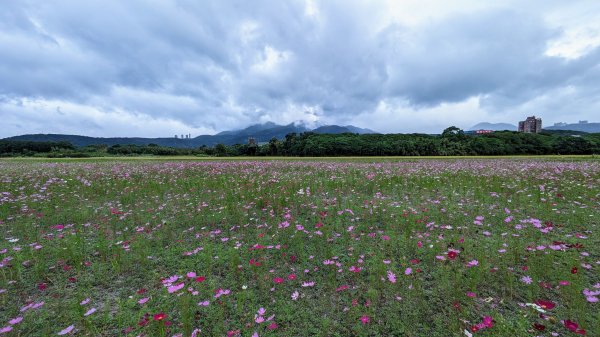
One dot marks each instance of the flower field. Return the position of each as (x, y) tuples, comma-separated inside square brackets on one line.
[(466, 247)]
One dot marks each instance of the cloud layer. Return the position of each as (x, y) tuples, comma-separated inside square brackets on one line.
[(114, 68)]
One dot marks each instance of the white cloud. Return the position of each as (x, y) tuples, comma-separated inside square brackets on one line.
[(128, 68)]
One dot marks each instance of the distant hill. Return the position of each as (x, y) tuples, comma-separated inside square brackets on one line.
[(494, 126), (336, 129), (260, 132), (582, 127)]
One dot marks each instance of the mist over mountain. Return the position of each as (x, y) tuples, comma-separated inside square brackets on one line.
[(260, 132), (494, 126)]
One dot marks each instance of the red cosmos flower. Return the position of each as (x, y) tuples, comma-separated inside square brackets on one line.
[(539, 327), (575, 245), (574, 270), (544, 304), (291, 277), (452, 255), (342, 287), (574, 327), (272, 326), (160, 316), (278, 280), (456, 305), (364, 319), (293, 258), (488, 321), (200, 279), (233, 333), (141, 291), (415, 261), (42, 286)]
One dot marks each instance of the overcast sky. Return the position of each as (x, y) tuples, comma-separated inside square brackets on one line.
[(128, 68)]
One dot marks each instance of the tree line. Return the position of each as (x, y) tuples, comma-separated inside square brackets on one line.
[(452, 142)]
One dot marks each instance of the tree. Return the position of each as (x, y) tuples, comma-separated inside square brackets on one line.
[(221, 150), (453, 131), (274, 146)]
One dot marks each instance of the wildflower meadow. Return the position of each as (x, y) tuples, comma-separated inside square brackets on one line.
[(453, 247)]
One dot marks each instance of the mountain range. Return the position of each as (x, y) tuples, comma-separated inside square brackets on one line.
[(493, 126), (260, 132), (582, 127)]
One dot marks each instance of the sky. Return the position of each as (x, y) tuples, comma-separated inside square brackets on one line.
[(158, 68)]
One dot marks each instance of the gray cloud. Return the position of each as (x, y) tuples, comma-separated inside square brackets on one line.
[(214, 65)]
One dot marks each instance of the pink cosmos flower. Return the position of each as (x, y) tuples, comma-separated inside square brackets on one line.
[(220, 292), (408, 271), (175, 288), (364, 319), (15, 320), (391, 276), (66, 330), (5, 329), (526, 279), (170, 279), (472, 263), (143, 300)]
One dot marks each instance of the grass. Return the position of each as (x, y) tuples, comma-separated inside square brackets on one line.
[(330, 247)]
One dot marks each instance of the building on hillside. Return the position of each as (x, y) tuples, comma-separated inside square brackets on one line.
[(531, 125)]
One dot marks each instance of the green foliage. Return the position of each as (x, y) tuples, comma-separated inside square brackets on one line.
[(452, 142)]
